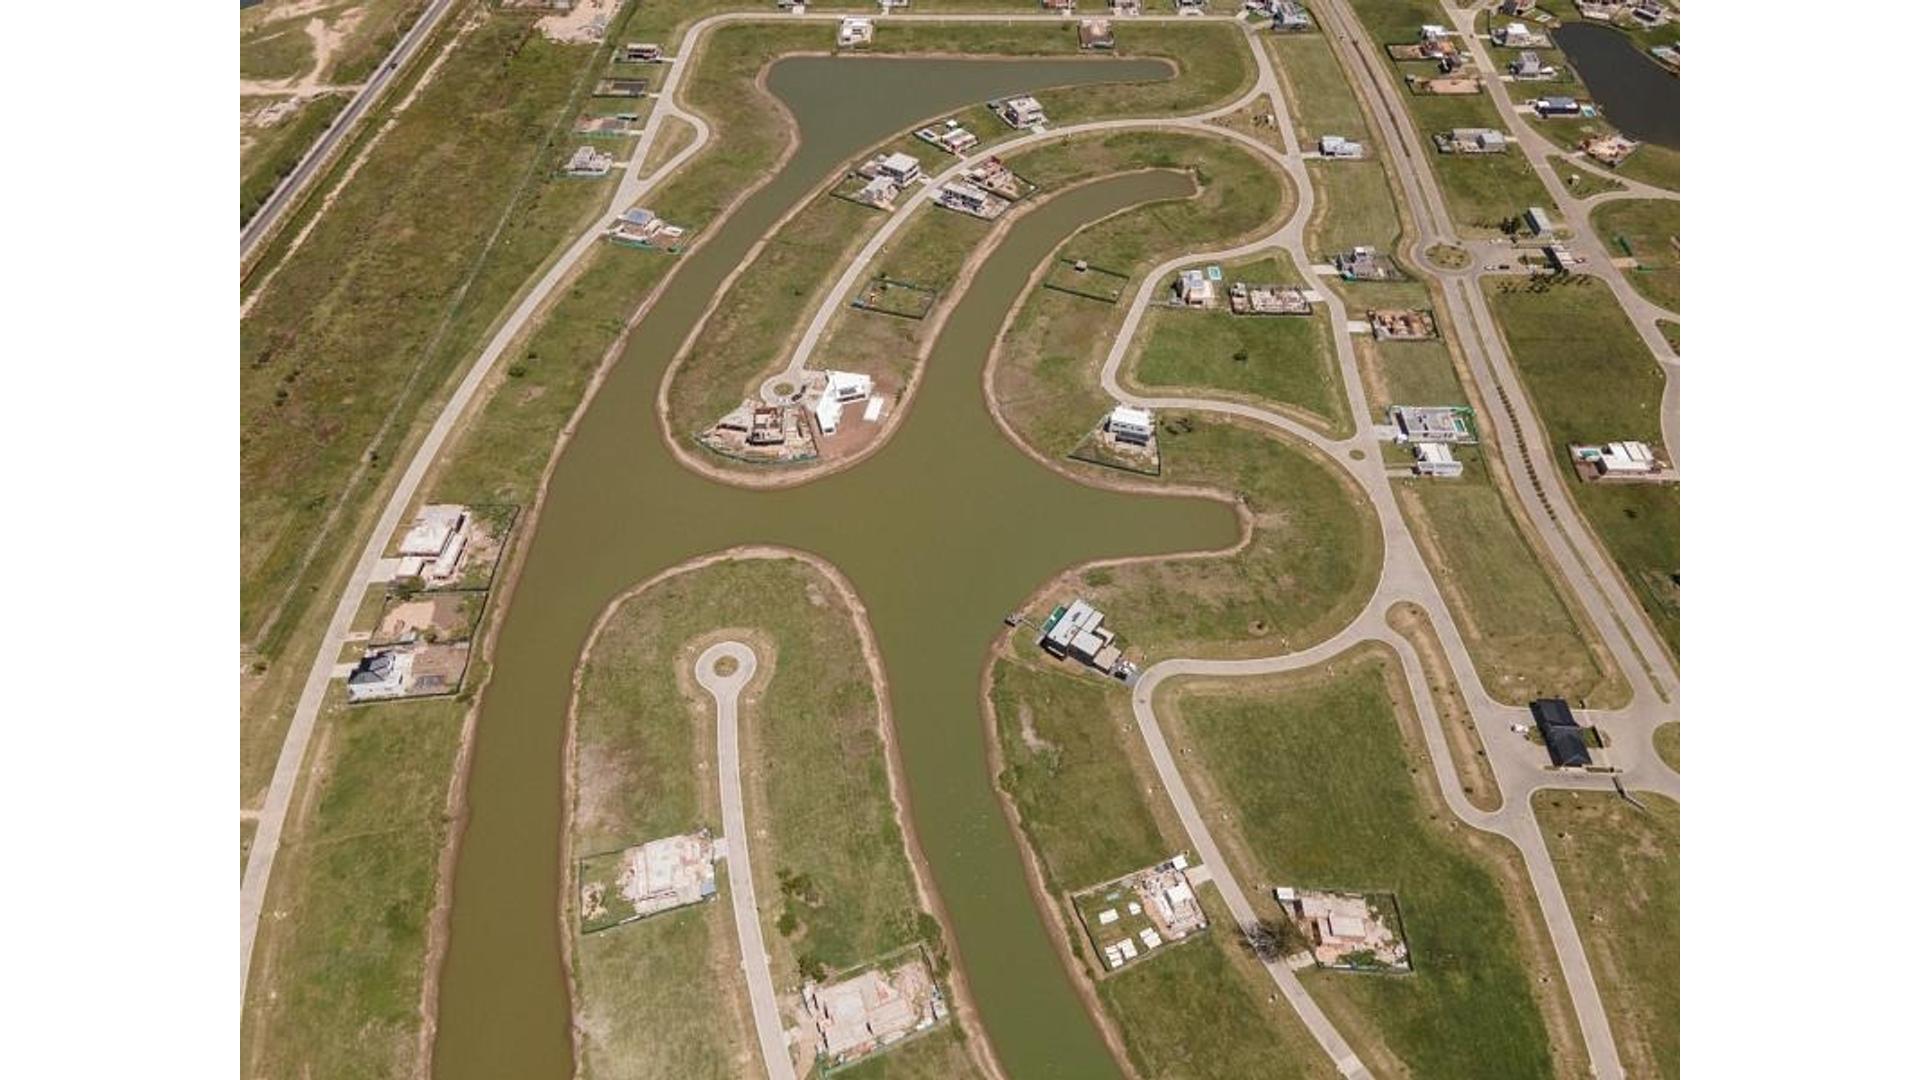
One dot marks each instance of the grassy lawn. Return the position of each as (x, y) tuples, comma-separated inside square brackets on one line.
[(1620, 867), (1582, 183), (1649, 231), (1353, 207), (1524, 637), (1284, 362), (1310, 565), (1666, 743), (1318, 94), (938, 1055), (1075, 772), (1592, 380), (1321, 783), (1671, 331), (336, 991), (1654, 165), (1469, 752)]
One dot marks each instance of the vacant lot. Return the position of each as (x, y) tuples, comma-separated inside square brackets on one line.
[(1648, 230), (1620, 867), (1582, 183), (1318, 94), (336, 991), (1354, 207), (1592, 380), (1526, 642), (1286, 362), (1076, 772), (1319, 782)]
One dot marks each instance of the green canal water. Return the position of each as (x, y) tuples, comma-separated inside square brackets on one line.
[(942, 532)]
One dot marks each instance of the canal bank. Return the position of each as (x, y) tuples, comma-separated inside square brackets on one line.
[(941, 533), (1634, 92)]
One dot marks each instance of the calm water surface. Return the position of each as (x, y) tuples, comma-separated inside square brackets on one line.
[(942, 532), (1638, 96)]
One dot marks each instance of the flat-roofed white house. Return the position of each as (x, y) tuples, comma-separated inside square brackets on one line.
[(1131, 425), (1022, 112), (842, 388), (902, 168), (1618, 458), (1434, 459), (1339, 146)]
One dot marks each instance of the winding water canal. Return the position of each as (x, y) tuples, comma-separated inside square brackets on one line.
[(941, 532)]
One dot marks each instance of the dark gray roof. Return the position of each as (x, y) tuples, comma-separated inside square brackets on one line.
[(1566, 746), (1552, 712)]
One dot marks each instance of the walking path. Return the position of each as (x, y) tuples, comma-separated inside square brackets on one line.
[(733, 821), (1404, 576)]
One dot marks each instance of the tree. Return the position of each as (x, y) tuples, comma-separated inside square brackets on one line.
[(1269, 939)]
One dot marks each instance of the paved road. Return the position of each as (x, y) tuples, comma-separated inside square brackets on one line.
[(263, 220), (733, 820)]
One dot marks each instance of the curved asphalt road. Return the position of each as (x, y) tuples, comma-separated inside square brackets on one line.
[(733, 819)]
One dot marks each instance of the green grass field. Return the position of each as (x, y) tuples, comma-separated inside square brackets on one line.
[(1671, 331), (1354, 208), (1583, 183), (1654, 165), (1620, 867), (1666, 743), (1075, 772), (1649, 231), (1283, 361), (1317, 91), (1591, 379), (1526, 642), (1314, 778), (336, 991)]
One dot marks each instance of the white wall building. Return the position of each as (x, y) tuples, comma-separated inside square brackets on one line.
[(1131, 425)]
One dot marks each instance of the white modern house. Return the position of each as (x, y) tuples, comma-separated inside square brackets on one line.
[(901, 168), (1022, 112), (1339, 146), (1131, 425), (1434, 459), (842, 388)]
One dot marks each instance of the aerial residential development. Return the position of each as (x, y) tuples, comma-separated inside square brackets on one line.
[(974, 539)]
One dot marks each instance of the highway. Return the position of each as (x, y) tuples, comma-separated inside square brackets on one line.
[(262, 223)]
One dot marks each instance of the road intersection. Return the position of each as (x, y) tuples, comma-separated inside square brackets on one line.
[(1595, 584)]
